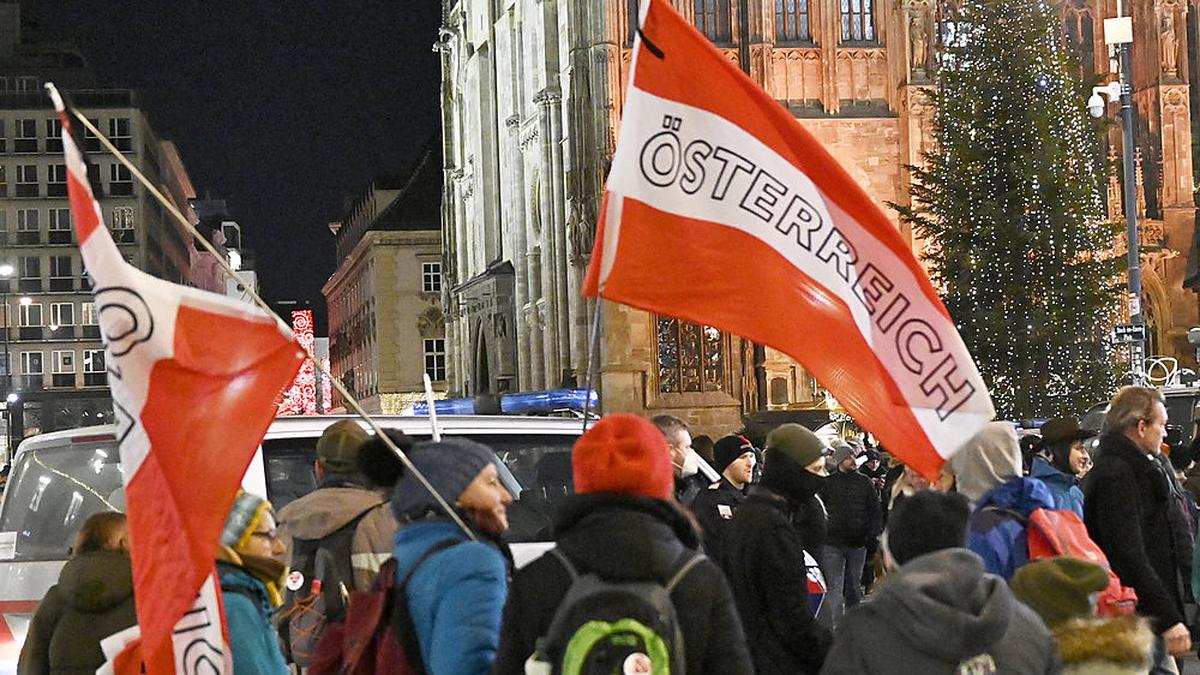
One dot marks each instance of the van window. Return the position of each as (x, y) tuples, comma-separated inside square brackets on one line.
[(52, 490)]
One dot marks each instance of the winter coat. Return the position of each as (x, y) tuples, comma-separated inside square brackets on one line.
[(1119, 646), (686, 489), (625, 538), (936, 612), (996, 530), (764, 562), (92, 600), (455, 597), (855, 516), (1126, 499), (714, 508), (1064, 489), (329, 508), (252, 636)]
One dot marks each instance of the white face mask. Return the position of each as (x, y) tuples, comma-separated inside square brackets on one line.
[(691, 465)]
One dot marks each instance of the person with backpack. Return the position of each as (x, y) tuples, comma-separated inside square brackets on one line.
[(939, 612), (251, 569), (337, 535), (627, 561), (779, 524), (454, 586), (1059, 458)]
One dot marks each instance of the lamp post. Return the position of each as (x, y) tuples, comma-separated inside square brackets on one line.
[(6, 273), (1118, 33)]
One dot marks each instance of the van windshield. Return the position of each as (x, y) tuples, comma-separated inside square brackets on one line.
[(52, 490)]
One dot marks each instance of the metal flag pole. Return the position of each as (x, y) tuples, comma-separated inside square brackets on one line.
[(593, 362), (351, 402), (434, 429)]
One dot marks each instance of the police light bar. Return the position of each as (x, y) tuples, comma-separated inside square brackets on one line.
[(531, 403)]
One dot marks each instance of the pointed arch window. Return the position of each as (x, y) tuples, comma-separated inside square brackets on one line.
[(691, 357), (791, 21), (858, 20)]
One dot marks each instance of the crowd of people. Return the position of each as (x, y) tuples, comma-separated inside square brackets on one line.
[(803, 557)]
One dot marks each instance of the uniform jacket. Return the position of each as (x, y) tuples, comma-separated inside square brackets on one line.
[(764, 550), (1064, 489), (1126, 498), (855, 516), (936, 612), (329, 508), (252, 636), (455, 597), (997, 527), (92, 600), (714, 508), (625, 538)]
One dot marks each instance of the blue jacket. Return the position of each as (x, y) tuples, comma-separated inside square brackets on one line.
[(252, 637), (456, 597), (997, 527), (1064, 489)]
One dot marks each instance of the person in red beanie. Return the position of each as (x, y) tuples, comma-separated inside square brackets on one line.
[(622, 525)]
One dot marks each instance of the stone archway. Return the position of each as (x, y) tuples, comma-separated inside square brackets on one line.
[(1156, 313), (481, 370)]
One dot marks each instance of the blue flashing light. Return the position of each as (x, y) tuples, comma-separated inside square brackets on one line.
[(532, 403)]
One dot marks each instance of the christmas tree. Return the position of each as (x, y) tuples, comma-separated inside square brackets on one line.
[(1010, 205)]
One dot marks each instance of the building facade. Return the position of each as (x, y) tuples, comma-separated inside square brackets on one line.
[(386, 327), (531, 97), (53, 366)]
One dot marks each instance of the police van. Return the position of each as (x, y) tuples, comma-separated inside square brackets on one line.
[(59, 479)]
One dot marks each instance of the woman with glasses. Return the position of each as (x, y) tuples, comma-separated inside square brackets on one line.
[(251, 568)]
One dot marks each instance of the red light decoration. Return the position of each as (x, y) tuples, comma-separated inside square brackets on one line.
[(301, 397)]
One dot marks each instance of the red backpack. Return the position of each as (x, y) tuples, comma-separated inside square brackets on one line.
[(377, 635), (1053, 533)]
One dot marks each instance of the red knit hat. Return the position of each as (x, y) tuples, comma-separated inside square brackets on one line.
[(624, 454)]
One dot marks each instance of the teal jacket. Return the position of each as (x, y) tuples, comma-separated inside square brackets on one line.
[(252, 636), (456, 597), (1064, 489)]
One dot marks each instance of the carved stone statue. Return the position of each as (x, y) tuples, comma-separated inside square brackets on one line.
[(1169, 43), (918, 42)]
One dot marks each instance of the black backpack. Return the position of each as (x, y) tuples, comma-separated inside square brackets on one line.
[(318, 589), (604, 627)]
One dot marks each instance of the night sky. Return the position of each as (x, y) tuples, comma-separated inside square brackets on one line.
[(282, 108)]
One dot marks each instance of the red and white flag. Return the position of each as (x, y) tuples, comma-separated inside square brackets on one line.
[(721, 209), (194, 378)]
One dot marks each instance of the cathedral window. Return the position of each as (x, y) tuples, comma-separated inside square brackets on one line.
[(858, 21), (791, 21), (712, 19), (691, 357)]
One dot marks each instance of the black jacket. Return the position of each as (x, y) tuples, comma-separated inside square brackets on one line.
[(855, 517), (714, 508), (1126, 498), (764, 562), (626, 538), (686, 489)]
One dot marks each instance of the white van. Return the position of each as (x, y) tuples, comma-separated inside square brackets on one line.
[(61, 478)]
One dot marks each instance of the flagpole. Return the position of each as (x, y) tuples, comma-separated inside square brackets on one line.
[(352, 402), (593, 362)]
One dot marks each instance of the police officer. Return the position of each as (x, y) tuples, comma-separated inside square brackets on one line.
[(714, 507)]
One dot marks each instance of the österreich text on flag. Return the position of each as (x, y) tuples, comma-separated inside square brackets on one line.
[(721, 209), (194, 378)]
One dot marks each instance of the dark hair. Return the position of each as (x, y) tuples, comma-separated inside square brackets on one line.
[(378, 463), (703, 445), (97, 532), (925, 522)]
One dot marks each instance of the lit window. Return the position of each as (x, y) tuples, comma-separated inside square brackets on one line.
[(691, 358)]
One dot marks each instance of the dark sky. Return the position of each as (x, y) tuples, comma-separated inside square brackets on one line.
[(284, 108)]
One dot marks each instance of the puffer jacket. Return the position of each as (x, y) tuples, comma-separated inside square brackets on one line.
[(455, 597), (1119, 646), (252, 636), (92, 600), (332, 506), (855, 516), (1064, 489), (625, 538), (934, 615), (997, 527)]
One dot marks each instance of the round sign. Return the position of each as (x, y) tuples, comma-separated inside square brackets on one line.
[(636, 664), (294, 581)]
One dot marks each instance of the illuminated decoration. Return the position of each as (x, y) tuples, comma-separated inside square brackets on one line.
[(301, 397), (326, 386), (1011, 203)]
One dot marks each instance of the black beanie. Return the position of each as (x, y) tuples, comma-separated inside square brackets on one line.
[(728, 449), (925, 522)]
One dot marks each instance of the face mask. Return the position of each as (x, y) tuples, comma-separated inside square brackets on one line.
[(691, 465)]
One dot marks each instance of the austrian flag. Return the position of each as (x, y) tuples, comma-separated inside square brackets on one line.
[(194, 378), (776, 243)]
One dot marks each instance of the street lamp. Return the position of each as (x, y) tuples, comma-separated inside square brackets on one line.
[(1118, 33), (6, 274)]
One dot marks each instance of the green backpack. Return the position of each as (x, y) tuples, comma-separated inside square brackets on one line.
[(614, 628)]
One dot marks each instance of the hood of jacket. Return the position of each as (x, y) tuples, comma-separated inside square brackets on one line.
[(943, 604), (622, 537), (1087, 644), (1045, 472), (1022, 495), (990, 458), (98, 581), (320, 512)]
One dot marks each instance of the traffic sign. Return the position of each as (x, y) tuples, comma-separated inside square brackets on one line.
[(1129, 332)]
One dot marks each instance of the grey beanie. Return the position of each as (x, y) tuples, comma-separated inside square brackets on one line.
[(450, 466)]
